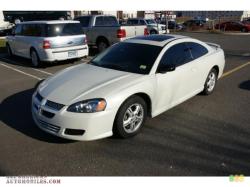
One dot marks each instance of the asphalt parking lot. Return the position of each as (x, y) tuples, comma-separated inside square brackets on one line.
[(206, 135)]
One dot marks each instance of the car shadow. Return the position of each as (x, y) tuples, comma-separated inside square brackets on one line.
[(24, 62), (15, 112), (245, 85)]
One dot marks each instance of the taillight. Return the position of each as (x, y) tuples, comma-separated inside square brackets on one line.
[(85, 40), (46, 44), (146, 32), (121, 33)]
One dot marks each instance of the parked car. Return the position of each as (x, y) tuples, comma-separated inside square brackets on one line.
[(5, 29), (152, 25), (233, 26), (48, 41), (194, 23), (104, 30), (116, 91), (173, 25)]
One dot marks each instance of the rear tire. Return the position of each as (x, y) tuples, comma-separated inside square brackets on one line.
[(130, 117), (34, 58), (153, 32), (102, 45), (210, 82)]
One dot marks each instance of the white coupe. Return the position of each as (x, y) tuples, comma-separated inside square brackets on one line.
[(114, 94)]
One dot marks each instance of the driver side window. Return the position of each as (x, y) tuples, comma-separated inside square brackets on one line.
[(178, 55)]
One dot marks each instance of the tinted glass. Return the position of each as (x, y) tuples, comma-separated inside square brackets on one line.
[(110, 21), (99, 21), (18, 29), (142, 22), (64, 29), (151, 21), (178, 54), (132, 22), (84, 21), (129, 57), (197, 50)]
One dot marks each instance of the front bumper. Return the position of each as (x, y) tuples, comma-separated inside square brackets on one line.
[(93, 125)]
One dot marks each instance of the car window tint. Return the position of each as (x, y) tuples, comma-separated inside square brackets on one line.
[(18, 29), (178, 54), (110, 21), (142, 22), (129, 57), (196, 49), (62, 29), (132, 22), (27, 30), (84, 21), (99, 21)]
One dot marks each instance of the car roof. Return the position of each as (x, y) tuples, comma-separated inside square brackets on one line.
[(49, 22), (155, 39)]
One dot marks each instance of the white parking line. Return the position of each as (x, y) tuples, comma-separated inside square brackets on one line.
[(17, 70), (45, 72), (13, 62)]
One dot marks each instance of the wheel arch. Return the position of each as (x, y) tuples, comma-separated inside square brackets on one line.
[(216, 67), (145, 97), (99, 38)]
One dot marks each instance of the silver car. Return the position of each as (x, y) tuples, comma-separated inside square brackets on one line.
[(48, 41)]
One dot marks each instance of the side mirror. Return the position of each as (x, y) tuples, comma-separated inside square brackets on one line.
[(166, 68)]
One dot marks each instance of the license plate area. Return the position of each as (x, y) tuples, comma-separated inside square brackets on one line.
[(72, 54)]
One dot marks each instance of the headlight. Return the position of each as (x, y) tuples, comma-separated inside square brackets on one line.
[(88, 106)]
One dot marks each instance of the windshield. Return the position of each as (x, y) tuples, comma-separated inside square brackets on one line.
[(129, 57), (150, 21)]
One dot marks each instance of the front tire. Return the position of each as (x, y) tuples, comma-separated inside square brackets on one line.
[(130, 117), (34, 58), (210, 82)]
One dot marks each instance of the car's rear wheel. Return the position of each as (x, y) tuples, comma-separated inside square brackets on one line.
[(210, 82), (34, 58), (102, 45), (243, 30), (9, 51), (153, 32), (130, 117)]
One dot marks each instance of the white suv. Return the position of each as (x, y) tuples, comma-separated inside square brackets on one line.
[(48, 41)]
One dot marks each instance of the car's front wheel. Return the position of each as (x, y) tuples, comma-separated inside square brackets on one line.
[(130, 117), (210, 82)]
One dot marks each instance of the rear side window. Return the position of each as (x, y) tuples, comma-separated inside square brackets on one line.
[(110, 21), (63, 29), (106, 21), (35, 30), (84, 21), (142, 22), (178, 54), (196, 49), (99, 21)]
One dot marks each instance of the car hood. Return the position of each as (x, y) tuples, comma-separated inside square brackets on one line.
[(71, 84)]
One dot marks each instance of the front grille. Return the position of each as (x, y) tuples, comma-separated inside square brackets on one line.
[(53, 105), (39, 97), (49, 127), (47, 114)]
